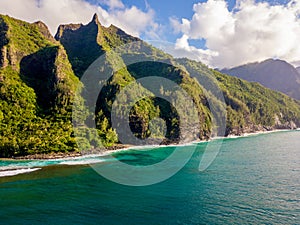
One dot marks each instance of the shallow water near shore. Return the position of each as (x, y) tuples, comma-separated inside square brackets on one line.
[(253, 180)]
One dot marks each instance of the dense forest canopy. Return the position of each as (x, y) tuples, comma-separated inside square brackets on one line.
[(40, 75)]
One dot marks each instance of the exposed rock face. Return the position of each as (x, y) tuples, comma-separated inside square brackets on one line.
[(36, 88), (48, 76), (42, 62), (65, 28), (290, 125), (44, 30), (3, 57), (9, 56), (274, 74), (19, 39), (81, 51), (3, 42), (279, 124), (38, 84), (85, 43)]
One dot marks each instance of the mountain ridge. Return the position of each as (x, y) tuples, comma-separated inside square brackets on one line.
[(37, 87), (80, 37), (277, 75), (39, 76)]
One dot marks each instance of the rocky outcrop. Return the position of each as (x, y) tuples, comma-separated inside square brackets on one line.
[(39, 83), (3, 57), (9, 57), (3, 42), (49, 73), (44, 30), (19, 39), (85, 43), (66, 28), (80, 42), (254, 128)]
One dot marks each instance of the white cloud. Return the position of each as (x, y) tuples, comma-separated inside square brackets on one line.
[(183, 49), (132, 20), (251, 32), (184, 26), (113, 3), (296, 63)]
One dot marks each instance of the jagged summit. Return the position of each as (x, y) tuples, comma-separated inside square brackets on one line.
[(73, 27), (85, 43), (64, 27), (44, 30), (96, 19), (37, 83)]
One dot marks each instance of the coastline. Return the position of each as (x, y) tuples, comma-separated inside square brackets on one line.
[(123, 147), (259, 132), (72, 155)]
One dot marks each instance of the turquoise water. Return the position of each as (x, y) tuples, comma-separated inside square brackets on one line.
[(254, 180)]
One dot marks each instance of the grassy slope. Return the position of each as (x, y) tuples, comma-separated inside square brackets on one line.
[(251, 104), (37, 83)]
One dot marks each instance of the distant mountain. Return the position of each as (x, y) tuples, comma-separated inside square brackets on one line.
[(274, 74), (39, 76), (298, 69)]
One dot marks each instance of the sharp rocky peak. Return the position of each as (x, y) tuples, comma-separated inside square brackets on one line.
[(96, 19)]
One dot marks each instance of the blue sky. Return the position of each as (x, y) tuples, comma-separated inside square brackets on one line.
[(166, 9), (182, 9), (219, 33)]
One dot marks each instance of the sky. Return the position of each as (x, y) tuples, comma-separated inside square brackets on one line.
[(218, 33)]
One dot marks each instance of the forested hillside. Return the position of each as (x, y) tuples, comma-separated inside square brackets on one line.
[(39, 76)]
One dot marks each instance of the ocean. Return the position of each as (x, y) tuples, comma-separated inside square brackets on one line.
[(253, 180)]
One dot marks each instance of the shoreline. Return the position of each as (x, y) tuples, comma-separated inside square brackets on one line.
[(123, 147), (70, 155), (259, 132)]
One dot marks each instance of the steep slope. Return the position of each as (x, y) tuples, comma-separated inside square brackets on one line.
[(274, 74), (41, 61), (298, 69), (250, 107), (85, 43), (37, 85), (104, 40)]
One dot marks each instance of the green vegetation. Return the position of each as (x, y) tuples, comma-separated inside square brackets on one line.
[(23, 130), (40, 76), (19, 39), (37, 86), (250, 105)]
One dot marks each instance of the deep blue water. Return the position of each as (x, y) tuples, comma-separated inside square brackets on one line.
[(254, 180)]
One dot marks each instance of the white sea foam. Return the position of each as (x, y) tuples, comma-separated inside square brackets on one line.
[(20, 167), (9, 173), (81, 162)]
